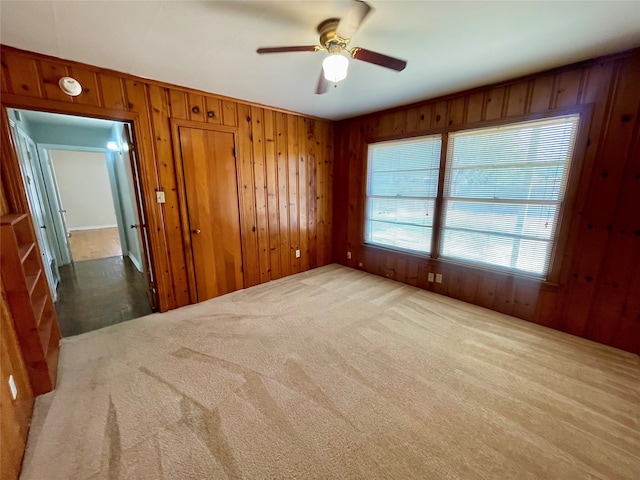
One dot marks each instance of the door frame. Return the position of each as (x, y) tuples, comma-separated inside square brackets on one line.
[(16, 199), (182, 194)]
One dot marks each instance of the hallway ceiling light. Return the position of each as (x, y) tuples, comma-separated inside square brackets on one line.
[(70, 86)]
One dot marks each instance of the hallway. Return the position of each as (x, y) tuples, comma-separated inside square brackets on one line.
[(97, 293)]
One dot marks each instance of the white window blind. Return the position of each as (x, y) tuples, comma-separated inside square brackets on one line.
[(503, 193), (402, 184)]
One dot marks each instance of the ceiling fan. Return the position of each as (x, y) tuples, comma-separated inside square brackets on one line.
[(335, 35)]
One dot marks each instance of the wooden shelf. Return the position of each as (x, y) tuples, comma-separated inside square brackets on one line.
[(25, 250), (32, 281), (29, 300)]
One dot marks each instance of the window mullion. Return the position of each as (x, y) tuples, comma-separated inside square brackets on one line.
[(436, 233)]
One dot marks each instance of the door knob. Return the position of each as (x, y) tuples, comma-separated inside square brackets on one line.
[(43, 226), (196, 231), (133, 226)]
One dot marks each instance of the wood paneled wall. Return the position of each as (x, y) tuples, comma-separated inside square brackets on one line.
[(597, 293), (285, 163), (14, 414)]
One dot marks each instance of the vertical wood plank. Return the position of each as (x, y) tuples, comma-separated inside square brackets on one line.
[(159, 101), (440, 114), (517, 99), (283, 193), (597, 82), (313, 205), (271, 166), (260, 187), (89, 81), (340, 192), (470, 283), (475, 107), (251, 266), (303, 200), (425, 117), (196, 108), (412, 120), (294, 225), (399, 122), (213, 110), (178, 103), (51, 75), (457, 108), (542, 94), (486, 291), (24, 77), (495, 103), (568, 88), (357, 168), (229, 113), (112, 92), (525, 302)]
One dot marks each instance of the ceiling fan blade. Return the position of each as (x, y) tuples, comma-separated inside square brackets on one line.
[(305, 48), (350, 23), (378, 58), (323, 84)]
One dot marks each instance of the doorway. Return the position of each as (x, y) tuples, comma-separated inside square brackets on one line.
[(81, 180)]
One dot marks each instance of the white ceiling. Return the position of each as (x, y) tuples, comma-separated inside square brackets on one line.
[(210, 45)]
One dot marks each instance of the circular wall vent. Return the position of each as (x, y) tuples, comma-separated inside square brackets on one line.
[(70, 86)]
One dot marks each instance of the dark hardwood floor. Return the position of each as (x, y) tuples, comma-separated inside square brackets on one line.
[(97, 293)]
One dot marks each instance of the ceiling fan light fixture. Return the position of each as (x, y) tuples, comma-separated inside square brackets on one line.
[(335, 67)]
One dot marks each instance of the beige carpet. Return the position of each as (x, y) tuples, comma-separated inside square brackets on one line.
[(336, 374)]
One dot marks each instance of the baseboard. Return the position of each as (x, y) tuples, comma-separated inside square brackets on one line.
[(95, 227)]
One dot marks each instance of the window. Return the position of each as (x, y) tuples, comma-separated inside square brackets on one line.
[(402, 183), (503, 192)]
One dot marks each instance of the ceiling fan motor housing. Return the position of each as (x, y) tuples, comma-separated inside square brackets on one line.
[(328, 37)]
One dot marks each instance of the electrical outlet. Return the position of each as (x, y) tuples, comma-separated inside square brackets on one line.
[(348, 255), (360, 264), (297, 253), (430, 276), (438, 278), (12, 387)]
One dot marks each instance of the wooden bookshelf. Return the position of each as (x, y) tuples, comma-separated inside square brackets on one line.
[(30, 301)]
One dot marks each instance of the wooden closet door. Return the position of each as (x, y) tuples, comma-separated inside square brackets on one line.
[(211, 190)]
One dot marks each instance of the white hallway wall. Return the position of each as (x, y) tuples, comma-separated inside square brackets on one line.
[(84, 188)]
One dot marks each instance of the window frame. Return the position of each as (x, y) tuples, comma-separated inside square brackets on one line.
[(575, 188), (366, 195)]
